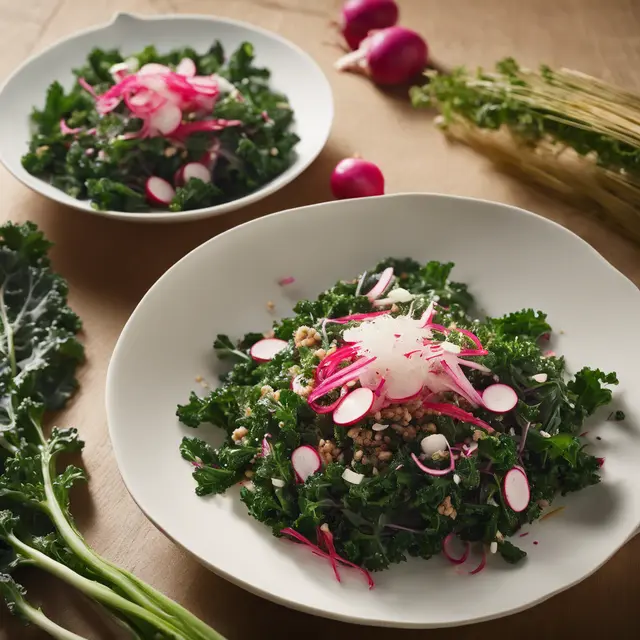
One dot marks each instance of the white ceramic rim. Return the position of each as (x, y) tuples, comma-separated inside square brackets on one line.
[(194, 214), (303, 607)]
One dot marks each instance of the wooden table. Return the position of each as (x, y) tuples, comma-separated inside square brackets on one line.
[(110, 265)]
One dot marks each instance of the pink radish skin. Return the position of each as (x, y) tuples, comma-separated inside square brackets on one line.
[(305, 461), (159, 191), (354, 407), (356, 178), (445, 550), (186, 67), (391, 56), (499, 398), (383, 282), (265, 350), (361, 16), (516, 491)]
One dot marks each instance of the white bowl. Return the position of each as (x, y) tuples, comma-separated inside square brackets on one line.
[(510, 258), (294, 73)]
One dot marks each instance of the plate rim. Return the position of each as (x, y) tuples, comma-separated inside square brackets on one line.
[(193, 214), (330, 614)]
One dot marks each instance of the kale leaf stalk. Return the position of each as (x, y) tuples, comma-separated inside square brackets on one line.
[(39, 354)]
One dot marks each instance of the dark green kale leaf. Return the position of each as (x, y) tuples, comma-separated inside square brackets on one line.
[(588, 392), (520, 324), (196, 194), (208, 474), (510, 552), (226, 350), (58, 105), (108, 194)]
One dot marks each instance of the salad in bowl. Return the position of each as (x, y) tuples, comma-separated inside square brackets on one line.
[(386, 419)]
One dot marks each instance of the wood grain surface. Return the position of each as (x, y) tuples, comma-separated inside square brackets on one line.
[(110, 265)]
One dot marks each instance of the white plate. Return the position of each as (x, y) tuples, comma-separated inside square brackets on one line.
[(510, 258), (294, 73)]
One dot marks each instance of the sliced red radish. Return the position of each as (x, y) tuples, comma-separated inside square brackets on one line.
[(499, 398), (435, 472), (196, 170), (186, 67), (204, 84), (305, 461), (264, 350), (434, 443), (482, 564), (403, 390), (166, 119), (446, 550), (515, 488), (159, 191), (352, 477), (178, 178), (354, 407), (153, 67), (383, 282), (540, 377)]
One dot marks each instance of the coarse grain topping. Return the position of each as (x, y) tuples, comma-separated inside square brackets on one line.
[(330, 452), (446, 508), (239, 433), (306, 337)]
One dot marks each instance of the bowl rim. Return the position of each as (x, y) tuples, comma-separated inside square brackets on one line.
[(117, 444), (32, 182)]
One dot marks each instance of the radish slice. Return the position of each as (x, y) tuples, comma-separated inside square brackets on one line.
[(178, 177), (152, 68), (515, 488), (119, 71), (196, 170), (354, 407), (378, 289), (540, 377), (186, 67), (433, 443), (352, 477), (305, 461), (166, 119), (446, 543), (159, 191), (499, 398), (278, 483), (435, 472), (265, 350)]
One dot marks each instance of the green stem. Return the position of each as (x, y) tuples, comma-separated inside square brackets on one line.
[(36, 617), (8, 330), (135, 589), (95, 590)]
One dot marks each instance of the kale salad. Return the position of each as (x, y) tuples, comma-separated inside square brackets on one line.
[(182, 130), (384, 421)]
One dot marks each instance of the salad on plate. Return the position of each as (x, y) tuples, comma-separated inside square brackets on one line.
[(182, 130), (384, 420)]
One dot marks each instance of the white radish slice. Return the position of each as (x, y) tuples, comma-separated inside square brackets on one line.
[(166, 119), (223, 84), (379, 288), (401, 390), (450, 347), (204, 84), (354, 407), (196, 170), (305, 461), (265, 350), (278, 483), (153, 67), (540, 377), (186, 67), (515, 488), (379, 427), (352, 477), (159, 191), (499, 398), (433, 443)]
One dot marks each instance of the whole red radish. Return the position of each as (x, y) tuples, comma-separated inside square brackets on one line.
[(361, 16), (356, 178)]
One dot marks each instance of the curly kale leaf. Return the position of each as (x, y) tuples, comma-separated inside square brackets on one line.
[(107, 194), (208, 474), (196, 194)]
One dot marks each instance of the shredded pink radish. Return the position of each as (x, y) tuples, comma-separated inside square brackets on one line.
[(305, 461), (447, 553), (499, 398), (481, 565), (353, 407), (328, 408), (159, 191), (381, 286), (266, 349), (357, 317), (340, 378), (453, 411), (66, 130), (515, 488), (325, 535), (283, 282), (435, 472), (266, 447), (359, 17)]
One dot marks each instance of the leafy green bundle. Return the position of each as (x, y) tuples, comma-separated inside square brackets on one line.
[(101, 162), (39, 354), (571, 132), (397, 510)]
